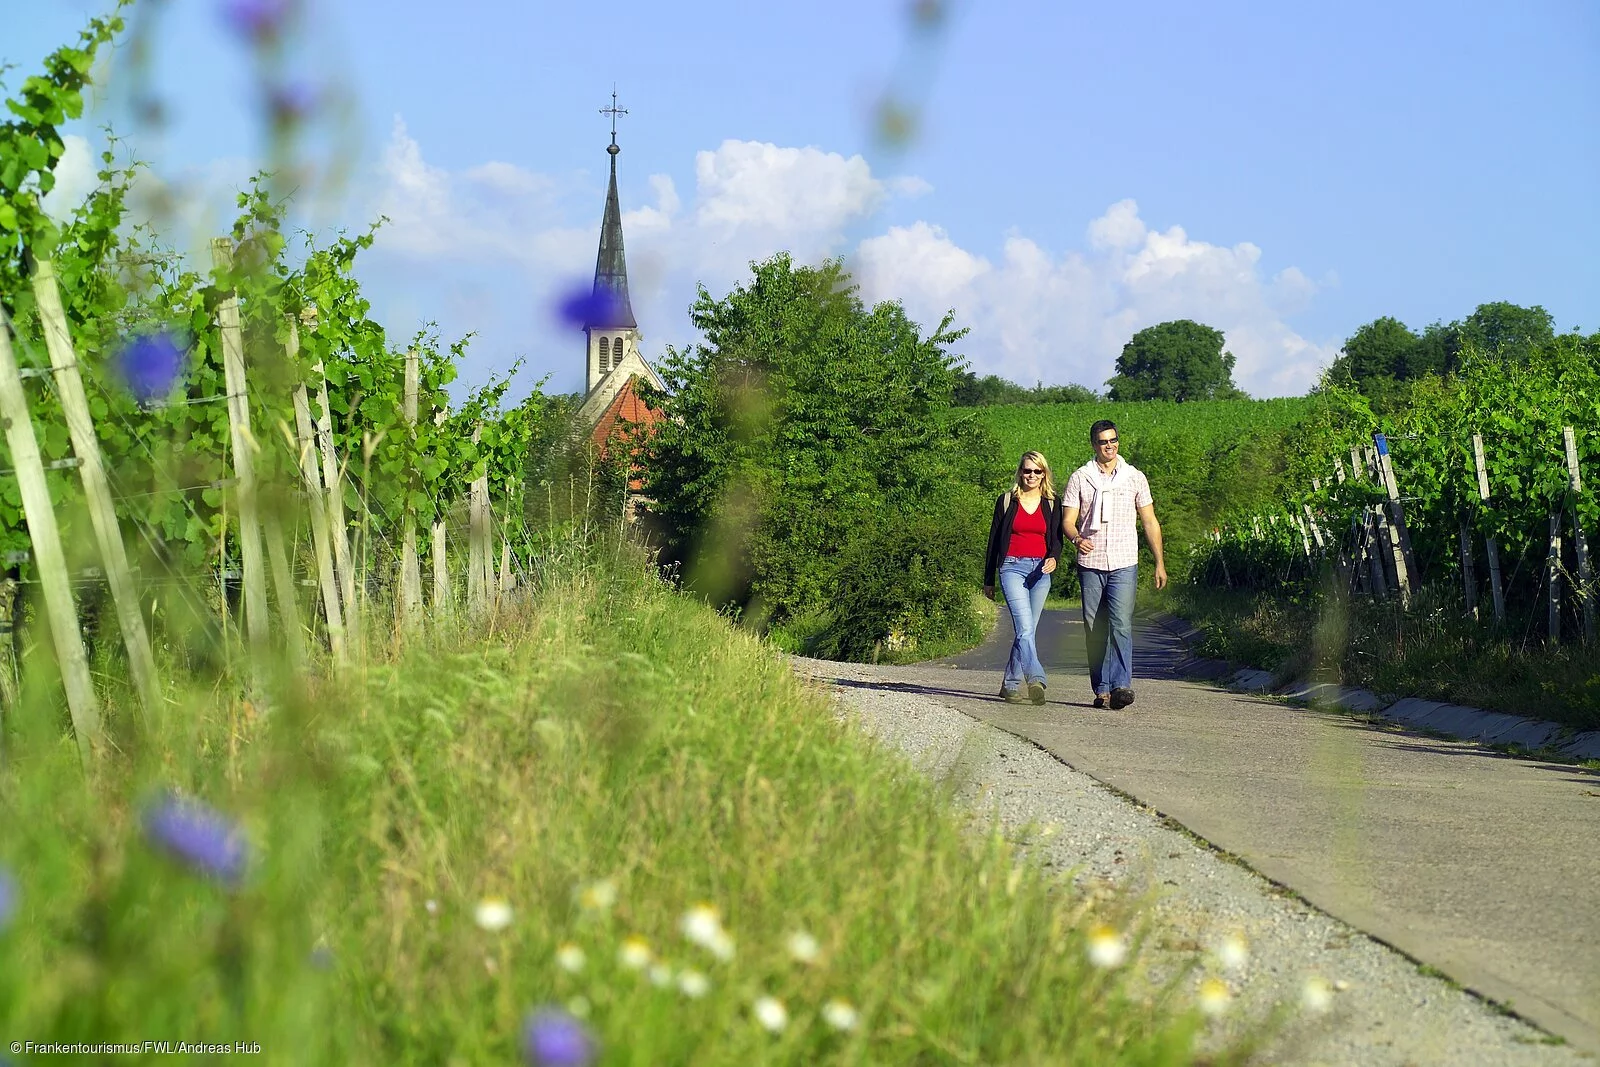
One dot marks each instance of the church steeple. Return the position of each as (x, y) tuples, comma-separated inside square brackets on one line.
[(611, 301)]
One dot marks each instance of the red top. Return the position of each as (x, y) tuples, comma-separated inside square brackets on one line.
[(1027, 533)]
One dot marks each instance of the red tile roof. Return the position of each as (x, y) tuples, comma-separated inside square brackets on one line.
[(628, 419)]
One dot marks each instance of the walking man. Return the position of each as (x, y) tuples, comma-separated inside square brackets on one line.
[(1098, 508)]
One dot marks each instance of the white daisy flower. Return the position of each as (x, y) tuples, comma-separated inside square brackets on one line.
[(598, 896), (803, 947), (431, 906), (1232, 952), (1215, 996), (570, 958), (492, 914), (660, 975), (840, 1014), (771, 1014), (1316, 995), (634, 953), (1106, 947), (693, 984), (702, 925)]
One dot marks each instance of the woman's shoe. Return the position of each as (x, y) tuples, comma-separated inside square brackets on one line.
[(1011, 696), (1036, 692)]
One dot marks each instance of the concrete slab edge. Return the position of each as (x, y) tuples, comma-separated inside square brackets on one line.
[(1452, 720)]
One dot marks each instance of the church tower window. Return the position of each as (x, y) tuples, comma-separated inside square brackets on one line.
[(605, 354)]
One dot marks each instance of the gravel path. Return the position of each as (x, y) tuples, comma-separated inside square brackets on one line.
[(1384, 1011)]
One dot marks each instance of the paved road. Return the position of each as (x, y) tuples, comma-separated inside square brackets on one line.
[(1482, 866)]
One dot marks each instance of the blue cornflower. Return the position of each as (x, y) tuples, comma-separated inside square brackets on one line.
[(589, 305), (8, 898), (149, 364), (257, 19), (553, 1038), (199, 836)]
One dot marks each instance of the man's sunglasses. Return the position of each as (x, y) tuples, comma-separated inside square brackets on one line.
[(1107, 441)]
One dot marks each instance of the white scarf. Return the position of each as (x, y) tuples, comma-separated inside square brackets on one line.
[(1103, 485)]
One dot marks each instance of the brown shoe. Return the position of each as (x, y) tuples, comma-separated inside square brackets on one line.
[(1100, 700), (1036, 692), (1011, 696)]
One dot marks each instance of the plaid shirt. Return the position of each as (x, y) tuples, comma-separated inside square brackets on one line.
[(1116, 542)]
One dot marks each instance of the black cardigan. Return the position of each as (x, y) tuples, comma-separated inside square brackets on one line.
[(1000, 532)]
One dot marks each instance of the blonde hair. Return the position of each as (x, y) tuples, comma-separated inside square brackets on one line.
[(1047, 488)]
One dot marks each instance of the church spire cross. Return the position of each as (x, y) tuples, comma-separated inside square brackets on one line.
[(613, 111)]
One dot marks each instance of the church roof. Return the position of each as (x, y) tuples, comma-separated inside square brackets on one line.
[(627, 412), (611, 303)]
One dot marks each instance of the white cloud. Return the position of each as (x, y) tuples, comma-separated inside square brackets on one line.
[(1034, 314), (1036, 317), (77, 173)]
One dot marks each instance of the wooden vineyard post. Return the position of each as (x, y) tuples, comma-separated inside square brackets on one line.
[(1580, 545), (1338, 469), (1552, 573), (52, 562), (1374, 558), (1469, 576), (96, 490), (1356, 463), (1496, 592), (1405, 563), (508, 579), (283, 587), (255, 585), (410, 569), (305, 440), (477, 536), (443, 600), (333, 483), (1316, 531)]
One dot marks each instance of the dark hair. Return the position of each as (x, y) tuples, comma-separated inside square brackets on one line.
[(1099, 428)]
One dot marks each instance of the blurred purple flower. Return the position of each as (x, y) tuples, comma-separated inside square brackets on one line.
[(8, 898), (257, 19), (552, 1038), (587, 305), (291, 101), (322, 957), (149, 364), (199, 836)]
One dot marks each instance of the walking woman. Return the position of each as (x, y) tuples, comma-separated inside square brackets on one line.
[(1024, 541)]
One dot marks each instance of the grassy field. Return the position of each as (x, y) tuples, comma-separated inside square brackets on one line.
[(606, 822), (1204, 459)]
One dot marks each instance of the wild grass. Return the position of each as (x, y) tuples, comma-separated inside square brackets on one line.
[(600, 761), (1433, 650)]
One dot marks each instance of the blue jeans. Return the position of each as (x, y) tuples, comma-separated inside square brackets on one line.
[(1108, 622), (1025, 586)]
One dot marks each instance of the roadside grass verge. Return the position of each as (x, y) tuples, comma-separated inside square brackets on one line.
[(1430, 651), (594, 765)]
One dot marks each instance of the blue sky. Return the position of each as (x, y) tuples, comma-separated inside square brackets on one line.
[(1282, 172)]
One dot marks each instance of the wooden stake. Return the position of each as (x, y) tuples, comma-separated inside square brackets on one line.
[(255, 584), (96, 490), (410, 568), (1496, 592), (1355, 462), (333, 482), (1469, 578), (1316, 531), (47, 554), (1338, 469), (1580, 544), (305, 439), (441, 572), (477, 536), (1405, 563), (1552, 570)]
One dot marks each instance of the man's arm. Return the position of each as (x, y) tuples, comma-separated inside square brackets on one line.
[(1152, 533), (1069, 529)]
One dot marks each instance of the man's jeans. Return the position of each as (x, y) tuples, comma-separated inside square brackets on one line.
[(1108, 622), (1025, 586)]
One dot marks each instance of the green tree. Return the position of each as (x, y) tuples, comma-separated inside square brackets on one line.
[(1383, 348), (804, 427), (1509, 330), (972, 391), (1181, 360)]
